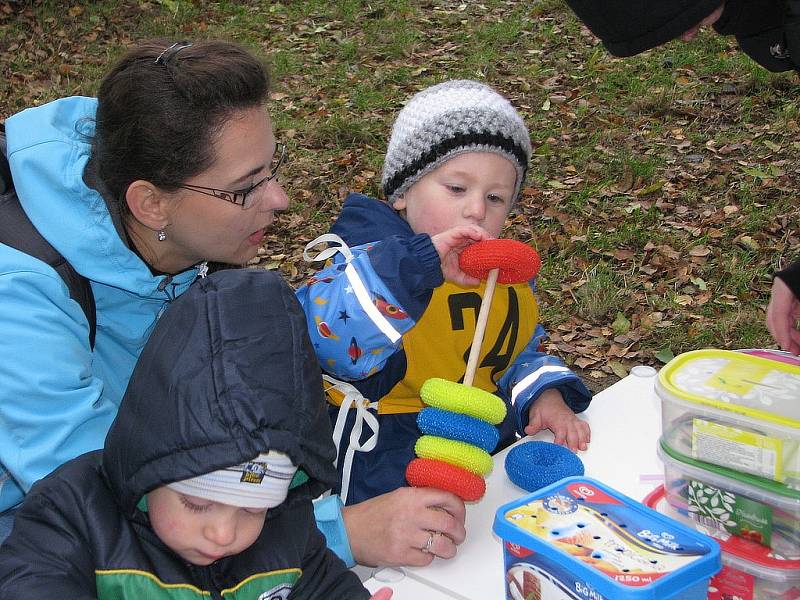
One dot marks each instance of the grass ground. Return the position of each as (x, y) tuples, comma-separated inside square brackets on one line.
[(662, 192)]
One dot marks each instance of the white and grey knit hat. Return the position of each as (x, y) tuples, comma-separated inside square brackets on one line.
[(446, 120), (260, 483)]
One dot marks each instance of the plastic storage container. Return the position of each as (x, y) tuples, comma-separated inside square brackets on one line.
[(749, 571), (754, 508), (734, 409), (580, 539)]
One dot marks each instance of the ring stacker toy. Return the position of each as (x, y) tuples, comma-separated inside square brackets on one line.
[(458, 426), (503, 260)]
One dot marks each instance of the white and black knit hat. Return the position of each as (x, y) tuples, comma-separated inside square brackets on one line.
[(448, 119)]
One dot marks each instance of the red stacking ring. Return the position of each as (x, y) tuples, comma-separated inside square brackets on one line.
[(428, 472), (517, 262)]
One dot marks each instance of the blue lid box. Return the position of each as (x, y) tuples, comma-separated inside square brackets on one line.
[(580, 539)]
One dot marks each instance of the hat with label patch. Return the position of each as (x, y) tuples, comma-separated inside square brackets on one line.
[(260, 483)]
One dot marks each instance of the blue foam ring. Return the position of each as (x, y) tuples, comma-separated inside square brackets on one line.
[(456, 426), (534, 465)]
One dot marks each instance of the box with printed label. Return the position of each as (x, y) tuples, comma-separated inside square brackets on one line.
[(578, 539), (734, 409), (749, 571), (753, 508)]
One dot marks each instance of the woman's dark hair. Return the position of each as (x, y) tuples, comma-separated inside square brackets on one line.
[(161, 105)]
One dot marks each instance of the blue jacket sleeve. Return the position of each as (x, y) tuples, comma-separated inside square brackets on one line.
[(325, 575), (52, 407), (358, 309), (328, 515), (533, 372)]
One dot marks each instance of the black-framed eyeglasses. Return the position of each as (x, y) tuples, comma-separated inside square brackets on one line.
[(244, 197)]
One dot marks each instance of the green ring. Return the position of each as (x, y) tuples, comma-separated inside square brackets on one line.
[(469, 457), (463, 399)]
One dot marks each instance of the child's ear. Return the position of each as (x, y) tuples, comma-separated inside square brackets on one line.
[(400, 202), (147, 204)]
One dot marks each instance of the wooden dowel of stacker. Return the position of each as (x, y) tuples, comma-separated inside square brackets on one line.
[(480, 327)]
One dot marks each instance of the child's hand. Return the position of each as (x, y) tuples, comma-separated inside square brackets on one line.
[(382, 594), (550, 412), (449, 245)]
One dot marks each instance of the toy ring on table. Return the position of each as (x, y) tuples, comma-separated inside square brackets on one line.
[(533, 465), (429, 472), (516, 261)]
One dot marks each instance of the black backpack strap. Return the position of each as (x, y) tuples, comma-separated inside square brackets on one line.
[(17, 231)]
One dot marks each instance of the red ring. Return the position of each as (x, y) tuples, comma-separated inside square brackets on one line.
[(429, 472), (517, 262)]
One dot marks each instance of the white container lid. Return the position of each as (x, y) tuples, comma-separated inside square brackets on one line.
[(760, 389)]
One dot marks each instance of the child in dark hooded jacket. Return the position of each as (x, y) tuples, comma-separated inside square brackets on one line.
[(205, 483)]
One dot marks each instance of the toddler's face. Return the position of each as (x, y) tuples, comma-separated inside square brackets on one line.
[(201, 531), (474, 188)]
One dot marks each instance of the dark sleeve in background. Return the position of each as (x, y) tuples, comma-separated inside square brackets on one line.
[(791, 277), (628, 27)]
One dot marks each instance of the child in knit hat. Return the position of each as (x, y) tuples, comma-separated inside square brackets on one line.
[(393, 309), (204, 487)]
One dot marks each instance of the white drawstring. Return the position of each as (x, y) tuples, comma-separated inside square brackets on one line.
[(363, 416), (328, 251)]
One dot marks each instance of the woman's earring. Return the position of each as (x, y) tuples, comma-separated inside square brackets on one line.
[(162, 235)]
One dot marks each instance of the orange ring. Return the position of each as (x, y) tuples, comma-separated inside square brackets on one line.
[(428, 472), (517, 262)]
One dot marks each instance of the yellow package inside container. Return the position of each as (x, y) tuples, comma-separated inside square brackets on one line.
[(734, 410)]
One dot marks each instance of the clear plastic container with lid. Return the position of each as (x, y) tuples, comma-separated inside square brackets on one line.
[(730, 502), (749, 570), (737, 410)]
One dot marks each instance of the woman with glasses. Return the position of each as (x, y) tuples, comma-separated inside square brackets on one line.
[(172, 165)]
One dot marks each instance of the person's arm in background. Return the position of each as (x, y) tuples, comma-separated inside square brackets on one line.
[(767, 31), (784, 308)]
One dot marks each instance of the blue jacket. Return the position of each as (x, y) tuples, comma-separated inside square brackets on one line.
[(57, 396), (229, 372), (361, 311)]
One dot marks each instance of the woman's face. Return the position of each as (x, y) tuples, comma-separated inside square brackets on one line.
[(203, 227)]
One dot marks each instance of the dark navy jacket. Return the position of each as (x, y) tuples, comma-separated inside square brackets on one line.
[(229, 372)]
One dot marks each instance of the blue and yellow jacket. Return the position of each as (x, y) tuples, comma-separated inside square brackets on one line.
[(383, 321), (228, 372)]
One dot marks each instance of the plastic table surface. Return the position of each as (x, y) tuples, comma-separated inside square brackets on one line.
[(626, 422)]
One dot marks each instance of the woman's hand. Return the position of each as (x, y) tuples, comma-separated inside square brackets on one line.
[(782, 314), (449, 245), (382, 594), (394, 529)]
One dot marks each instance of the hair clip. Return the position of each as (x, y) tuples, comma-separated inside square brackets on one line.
[(180, 46)]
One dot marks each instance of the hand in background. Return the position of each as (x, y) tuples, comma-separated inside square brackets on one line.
[(382, 594), (782, 314), (691, 33), (392, 529), (449, 245), (549, 411)]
